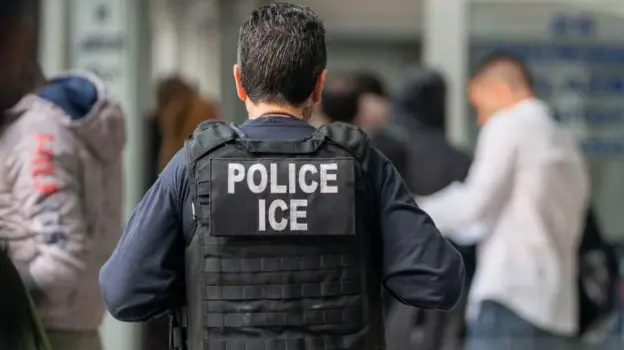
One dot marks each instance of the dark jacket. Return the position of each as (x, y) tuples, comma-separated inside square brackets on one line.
[(431, 163), (420, 108), (390, 141), (145, 275), (20, 327)]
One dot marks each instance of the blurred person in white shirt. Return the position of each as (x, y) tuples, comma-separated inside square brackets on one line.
[(526, 196)]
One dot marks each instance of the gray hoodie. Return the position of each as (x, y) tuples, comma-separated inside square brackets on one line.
[(61, 195)]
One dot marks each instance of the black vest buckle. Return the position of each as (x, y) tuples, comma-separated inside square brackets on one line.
[(177, 330)]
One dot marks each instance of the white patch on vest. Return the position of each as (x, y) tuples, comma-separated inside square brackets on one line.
[(284, 214)]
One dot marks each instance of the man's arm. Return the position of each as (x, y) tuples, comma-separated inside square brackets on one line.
[(421, 268), (144, 277), (472, 206), (45, 175)]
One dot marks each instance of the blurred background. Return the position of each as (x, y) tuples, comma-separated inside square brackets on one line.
[(575, 49)]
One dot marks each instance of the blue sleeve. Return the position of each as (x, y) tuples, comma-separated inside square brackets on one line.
[(144, 277), (421, 268)]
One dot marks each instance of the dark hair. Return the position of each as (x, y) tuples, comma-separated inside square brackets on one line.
[(500, 56), (170, 88), (340, 98), (370, 83), (281, 53)]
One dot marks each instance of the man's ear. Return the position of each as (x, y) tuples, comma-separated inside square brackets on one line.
[(318, 89), (240, 91)]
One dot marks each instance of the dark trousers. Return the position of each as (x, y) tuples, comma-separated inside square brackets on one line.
[(498, 328), (410, 328)]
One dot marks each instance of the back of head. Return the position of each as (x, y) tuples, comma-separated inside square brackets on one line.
[(370, 83), (423, 98), (500, 81), (172, 88), (373, 105), (18, 46), (506, 67), (340, 98), (281, 54)]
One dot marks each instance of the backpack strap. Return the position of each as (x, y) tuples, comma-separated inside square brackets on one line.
[(357, 143), (350, 138), (178, 327), (207, 137)]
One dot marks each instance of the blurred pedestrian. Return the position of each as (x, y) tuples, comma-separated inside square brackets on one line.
[(61, 176), (339, 102), (373, 101), (420, 109), (526, 197), (179, 109), (373, 116)]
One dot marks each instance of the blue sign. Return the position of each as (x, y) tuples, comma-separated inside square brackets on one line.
[(576, 25)]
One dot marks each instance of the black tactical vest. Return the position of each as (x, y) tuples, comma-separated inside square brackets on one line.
[(286, 255)]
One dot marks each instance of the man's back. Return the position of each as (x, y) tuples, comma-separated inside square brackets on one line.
[(279, 75), (533, 244), (434, 163)]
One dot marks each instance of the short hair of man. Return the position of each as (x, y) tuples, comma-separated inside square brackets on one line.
[(500, 57), (281, 53), (370, 83), (339, 102)]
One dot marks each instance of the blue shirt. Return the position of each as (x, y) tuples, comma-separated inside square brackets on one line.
[(145, 275)]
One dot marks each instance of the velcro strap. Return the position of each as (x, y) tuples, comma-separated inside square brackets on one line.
[(350, 138), (285, 319), (176, 333), (295, 263), (311, 343), (306, 146), (284, 291), (178, 342)]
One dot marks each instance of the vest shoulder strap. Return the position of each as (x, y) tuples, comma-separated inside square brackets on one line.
[(350, 138), (207, 137)]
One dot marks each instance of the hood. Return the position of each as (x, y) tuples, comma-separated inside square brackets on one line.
[(93, 114), (422, 99)]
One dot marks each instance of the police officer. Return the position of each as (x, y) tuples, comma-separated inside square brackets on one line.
[(273, 234)]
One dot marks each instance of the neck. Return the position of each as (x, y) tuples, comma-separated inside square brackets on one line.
[(519, 97), (256, 110)]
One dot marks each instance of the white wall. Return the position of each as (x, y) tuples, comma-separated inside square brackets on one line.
[(495, 19), (186, 42), (397, 18)]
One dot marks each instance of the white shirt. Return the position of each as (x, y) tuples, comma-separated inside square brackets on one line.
[(528, 191)]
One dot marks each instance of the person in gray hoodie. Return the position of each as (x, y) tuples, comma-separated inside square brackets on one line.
[(61, 145)]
